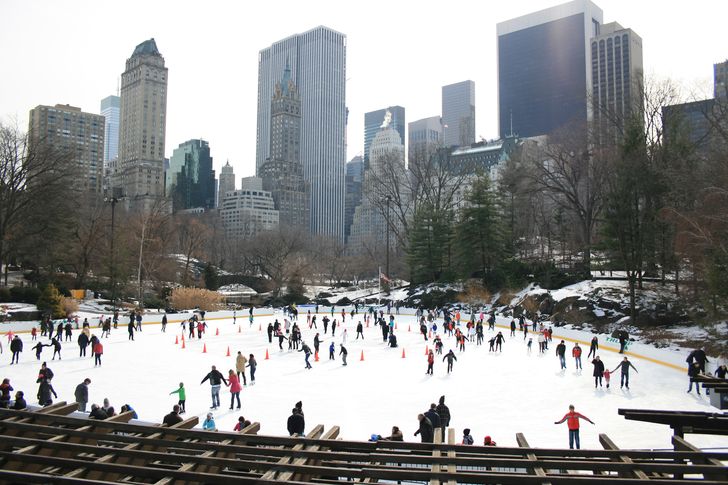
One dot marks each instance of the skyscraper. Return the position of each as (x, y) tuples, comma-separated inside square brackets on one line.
[(226, 182), (616, 65), (249, 210), (354, 174), (373, 123), (317, 60), (544, 73), (720, 79), (458, 114), (110, 112), (425, 136), (190, 179), (81, 135), (282, 173), (142, 124)]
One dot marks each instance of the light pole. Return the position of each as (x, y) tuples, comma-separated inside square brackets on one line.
[(387, 199), (112, 201)]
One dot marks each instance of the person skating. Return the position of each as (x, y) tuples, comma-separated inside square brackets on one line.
[(130, 328), (172, 418), (444, 412), (252, 365), (98, 350), (450, 356), (270, 332), (423, 331), (16, 347), (438, 345), (430, 362), (344, 336), (33, 334), (296, 424), (81, 394), (499, 339), (38, 347), (68, 328), (561, 353), (359, 331), (343, 353), (240, 362), (593, 347), (624, 368), (333, 328), (164, 322), (572, 421), (461, 342), (598, 371), (576, 354), (541, 343), (316, 343), (332, 351), (56, 348), (182, 394), (281, 338), (698, 355), (235, 388), (307, 354), (82, 344), (215, 377), (513, 328), (693, 372), (426, 430), (325, 321), (622, 341), (385, 330)]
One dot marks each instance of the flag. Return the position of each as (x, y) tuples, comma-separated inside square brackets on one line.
[(384, 278)]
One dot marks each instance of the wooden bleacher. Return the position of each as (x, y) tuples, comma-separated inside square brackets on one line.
[(53, 446)]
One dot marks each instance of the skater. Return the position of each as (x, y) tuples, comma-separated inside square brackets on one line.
[(270, 333), (359, 331), (235, 388), (423, 330), (325, 320), (252, 364), (479, 333), (240, 362), (56, 348), (693, 372), (698, 356), (81, 394), (622, 341), (491, 344), (624, 367), (69, 331), (98, 351), (572, 421), (426, 430), (593, 347), (450, 356), (576, 353), (16, 347), (344, 336), (34, 334), (561, 352), (607, 376), (38, 349), (316, 343), (307, 354), (430, 362), (82, 344), (598, 371), (164, 322), (461, 342), (130, 328), (513, 328), (182, 398), (192, 326), (281, 338), (343, 353), (215, 378), (385, 330), (139, 320), (332, 351), (333, 328), (106, 329), (438, 345), (499, 338), (541, 343), (529, 345)]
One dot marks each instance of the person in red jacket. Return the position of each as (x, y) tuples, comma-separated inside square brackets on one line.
[(576, 354), (430, 362), (572, 421), (98, 352), (235, 388)]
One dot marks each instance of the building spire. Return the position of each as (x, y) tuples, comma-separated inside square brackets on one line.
[(286, 78)]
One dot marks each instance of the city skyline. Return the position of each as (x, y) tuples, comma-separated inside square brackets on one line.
[(218, 103)]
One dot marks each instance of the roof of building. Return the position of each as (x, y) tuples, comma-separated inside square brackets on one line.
[(147, 48)]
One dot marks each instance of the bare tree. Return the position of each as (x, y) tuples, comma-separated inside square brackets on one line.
[(277, 255), (193, 237)]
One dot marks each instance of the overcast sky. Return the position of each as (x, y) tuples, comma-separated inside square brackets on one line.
[(398, 53)]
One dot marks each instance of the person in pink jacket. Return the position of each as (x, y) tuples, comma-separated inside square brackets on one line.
[(235, 388)]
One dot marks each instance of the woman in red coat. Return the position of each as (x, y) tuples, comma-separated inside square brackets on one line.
[(235, 388), (98, 352)]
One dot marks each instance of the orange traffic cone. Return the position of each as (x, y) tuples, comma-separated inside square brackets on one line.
[(183, 343), (403, 353), (427, 351), (183, 336), (362, 355), (217, 331), (315, 357), (176, 339), (204, 348), (228, 352), (266, 354), (239, 329)]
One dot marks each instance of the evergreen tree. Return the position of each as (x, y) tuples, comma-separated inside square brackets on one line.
[(50, 302), (480, 232), (431, 245), (212, 281)]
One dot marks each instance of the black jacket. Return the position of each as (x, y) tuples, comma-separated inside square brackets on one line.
[(215, 378), (81, 392), (426, 431), (598, 367), (16, 345), (434, 418), (296, 424), (561, 350), (444, 412)]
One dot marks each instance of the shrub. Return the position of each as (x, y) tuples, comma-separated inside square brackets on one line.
[(69, 305), (187, 298), (5, 295), (50, 302)]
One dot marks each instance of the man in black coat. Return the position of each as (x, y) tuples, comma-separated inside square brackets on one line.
[(444, 412), (434, 418), (561, 352), (81, 394), (215, 378), (698, 356), (296, 423), (598, 371), (425, 430), (16, 347)]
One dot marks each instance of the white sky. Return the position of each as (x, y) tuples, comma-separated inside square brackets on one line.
[(399, 53)]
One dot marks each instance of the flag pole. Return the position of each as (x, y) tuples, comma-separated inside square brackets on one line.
[(379, 286)]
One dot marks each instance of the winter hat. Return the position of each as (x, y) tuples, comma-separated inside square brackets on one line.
[(487, 439), (442, 399), (466, 431)]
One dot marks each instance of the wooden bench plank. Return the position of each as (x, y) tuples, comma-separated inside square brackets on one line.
[(608, 444), (523, 443)]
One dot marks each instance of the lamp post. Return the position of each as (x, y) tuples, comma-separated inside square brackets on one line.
[(112, 201), (387, 199)]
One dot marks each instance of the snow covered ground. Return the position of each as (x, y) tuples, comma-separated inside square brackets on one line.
[(493, 394)]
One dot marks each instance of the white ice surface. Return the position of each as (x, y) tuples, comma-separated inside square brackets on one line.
[(493, 394)]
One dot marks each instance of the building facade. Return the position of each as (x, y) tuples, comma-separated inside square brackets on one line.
[(80, 135), (247, 211), (720, 79), (142, 127), (317, 60), (110, 112), (425, 137), (354, 178), (226, 183), (544, 73), (458, 114), (190, 180), (373, 123), (617, 81), (282, 172)]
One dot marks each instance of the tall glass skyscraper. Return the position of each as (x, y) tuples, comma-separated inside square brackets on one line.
[(458, 114), (373, 123), (317, 61), (190, 178), (110, 111), (544, 72)]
